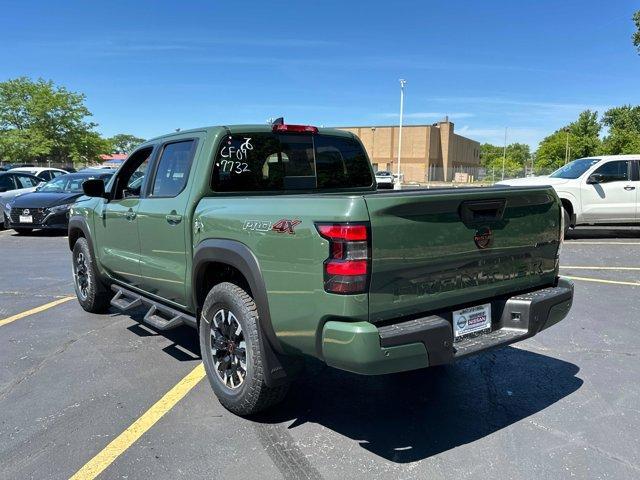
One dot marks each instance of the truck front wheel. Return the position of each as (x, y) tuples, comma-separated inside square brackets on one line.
[(231, 351), (92, 294)]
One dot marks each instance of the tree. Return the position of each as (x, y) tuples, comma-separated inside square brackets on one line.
[(124, 143), (517, 158), (636, 36), (578, 139), (41, 121), (623, 136)]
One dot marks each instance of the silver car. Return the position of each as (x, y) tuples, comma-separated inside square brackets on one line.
[(13, 184)]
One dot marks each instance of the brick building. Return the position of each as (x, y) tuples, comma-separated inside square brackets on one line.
[(429, 152)]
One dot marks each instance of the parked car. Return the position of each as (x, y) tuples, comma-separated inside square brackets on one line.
[(13, 184), (384, 179), (48, 206), (595, 190), (44, 173), (275, 244)]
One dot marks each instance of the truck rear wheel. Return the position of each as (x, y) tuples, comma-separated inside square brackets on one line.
[(92, 294), (231, 351)]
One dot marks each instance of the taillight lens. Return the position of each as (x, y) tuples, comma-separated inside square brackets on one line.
[(284, 128), (346, 271)]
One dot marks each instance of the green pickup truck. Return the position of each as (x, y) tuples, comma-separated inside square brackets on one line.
[(273, 242)]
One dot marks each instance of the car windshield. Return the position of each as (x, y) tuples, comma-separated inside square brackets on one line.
[(67, 184), (575, 169), (383, 174)]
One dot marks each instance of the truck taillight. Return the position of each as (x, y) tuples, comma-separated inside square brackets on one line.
[(288, 128), (346, 271)]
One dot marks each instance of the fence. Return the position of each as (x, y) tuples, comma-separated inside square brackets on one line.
[(473, 174)]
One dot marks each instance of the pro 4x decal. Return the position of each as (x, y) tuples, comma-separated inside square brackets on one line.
[(284, 225)]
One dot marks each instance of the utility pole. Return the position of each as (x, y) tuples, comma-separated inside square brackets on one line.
[(398, 184), (504, 151), (566, 148)]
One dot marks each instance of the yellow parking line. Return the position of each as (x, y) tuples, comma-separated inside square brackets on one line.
[(575, 267), (601, 280), (33, 311), (122, 442)]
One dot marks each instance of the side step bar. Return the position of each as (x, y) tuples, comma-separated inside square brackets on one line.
[(158, 316)]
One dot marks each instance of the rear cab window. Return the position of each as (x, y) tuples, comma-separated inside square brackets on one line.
[(272, 162)]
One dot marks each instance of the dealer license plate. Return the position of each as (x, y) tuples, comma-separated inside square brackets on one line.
[(472, 320), (26, 219)]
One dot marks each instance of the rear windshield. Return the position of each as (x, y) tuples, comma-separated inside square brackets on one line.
[(275, 162)]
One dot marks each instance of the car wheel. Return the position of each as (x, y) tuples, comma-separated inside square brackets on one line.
[(92, 294), (231, 351), (23, 231), (567, 220)]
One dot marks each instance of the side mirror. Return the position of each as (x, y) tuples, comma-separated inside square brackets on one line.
[(93, 188), (595, 178), (3, 189)]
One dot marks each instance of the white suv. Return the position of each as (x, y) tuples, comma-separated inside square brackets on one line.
[(595, 190)]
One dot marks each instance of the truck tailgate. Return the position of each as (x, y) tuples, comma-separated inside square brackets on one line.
[(438, 249)]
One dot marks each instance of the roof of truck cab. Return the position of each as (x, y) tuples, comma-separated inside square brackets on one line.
[(241, 128)]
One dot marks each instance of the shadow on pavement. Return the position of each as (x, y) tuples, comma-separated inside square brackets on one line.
[(40, 233), (602, 232), (185, 345), (411, 416)]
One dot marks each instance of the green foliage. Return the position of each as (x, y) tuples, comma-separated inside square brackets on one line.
[(124, 143), (579, 139), (636, 35), (41, 121), (518, 156), (623, 136)]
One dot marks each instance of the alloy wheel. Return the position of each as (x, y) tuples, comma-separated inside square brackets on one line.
[(228, 349), (81, 275)]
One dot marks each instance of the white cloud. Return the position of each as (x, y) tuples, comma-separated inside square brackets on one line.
[(428, 115), (495, 135)]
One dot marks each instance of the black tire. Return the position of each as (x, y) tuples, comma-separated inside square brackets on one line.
[(92, 294), (567, 220), (23, 231), (240, 395)]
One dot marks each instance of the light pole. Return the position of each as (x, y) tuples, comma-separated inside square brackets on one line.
[(373, 146), (398, 184), (566, 148), (504, 151)]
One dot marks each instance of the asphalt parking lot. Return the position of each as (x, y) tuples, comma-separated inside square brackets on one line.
[(565, 404)]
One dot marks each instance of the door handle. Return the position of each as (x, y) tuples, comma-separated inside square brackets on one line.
[(173, 219), (629, 187), (130, 215)]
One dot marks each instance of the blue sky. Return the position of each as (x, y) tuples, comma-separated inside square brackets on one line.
[(150, 67)]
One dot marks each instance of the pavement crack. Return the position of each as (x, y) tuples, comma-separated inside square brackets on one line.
[(36, 368), (285, 453)]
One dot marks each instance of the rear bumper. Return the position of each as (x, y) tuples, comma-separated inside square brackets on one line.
[(363, 348)]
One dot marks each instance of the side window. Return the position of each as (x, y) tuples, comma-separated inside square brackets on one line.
[(25, 181), (6, 183), (173, 169), (131, 175), (617, 171), (46, 175)]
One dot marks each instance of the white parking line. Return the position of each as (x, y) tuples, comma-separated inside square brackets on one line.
[(602, 280), (577, 242), (575, 267)]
